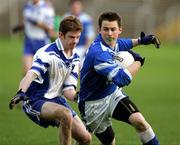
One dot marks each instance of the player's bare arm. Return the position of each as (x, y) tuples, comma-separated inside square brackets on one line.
[(70, 94), (133, 68), (26, 81), (24, 85)]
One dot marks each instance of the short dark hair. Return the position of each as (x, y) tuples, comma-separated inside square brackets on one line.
[(70, 23), (109, 16)]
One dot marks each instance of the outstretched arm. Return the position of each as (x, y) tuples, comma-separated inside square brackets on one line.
[(146, 40), (135, 42), (24, 85), (26, 81)]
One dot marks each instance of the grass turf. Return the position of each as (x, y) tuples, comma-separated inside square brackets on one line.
[(155, 90)]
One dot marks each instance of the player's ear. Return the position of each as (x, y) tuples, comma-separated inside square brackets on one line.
[(61, 35), (120, 30), (99, 29)]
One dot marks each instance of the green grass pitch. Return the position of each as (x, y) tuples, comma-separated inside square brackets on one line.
[(155, 90)]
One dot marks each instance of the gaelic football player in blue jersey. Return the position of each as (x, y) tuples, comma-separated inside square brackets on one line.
[(101, 97), (52, 78)]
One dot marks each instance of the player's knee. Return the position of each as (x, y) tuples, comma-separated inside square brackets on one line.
[(64, 116), (138, 121), (107, 137), (86, 140)]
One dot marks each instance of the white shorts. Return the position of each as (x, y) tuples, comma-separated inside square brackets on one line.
[(98, 113)]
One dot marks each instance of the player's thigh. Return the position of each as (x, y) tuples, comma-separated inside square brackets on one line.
[(51, 111), (79, 131), (124, 109)]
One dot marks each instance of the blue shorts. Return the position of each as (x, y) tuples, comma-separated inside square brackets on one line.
[(31, 45), (32, 108)]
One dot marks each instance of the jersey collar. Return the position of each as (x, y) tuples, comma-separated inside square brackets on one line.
[(59, 44), (61, 48), (104, 44)]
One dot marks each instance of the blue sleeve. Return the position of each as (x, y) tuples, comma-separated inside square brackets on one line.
[(105, 65), (125, 44)]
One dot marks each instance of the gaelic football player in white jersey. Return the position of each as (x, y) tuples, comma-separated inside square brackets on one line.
[(52, 78), (38, 26)]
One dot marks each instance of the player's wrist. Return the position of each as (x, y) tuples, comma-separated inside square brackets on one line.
[(139, 40), (21, 94), (141, 60)]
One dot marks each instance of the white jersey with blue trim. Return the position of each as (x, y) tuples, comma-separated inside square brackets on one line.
[(40, 12), (56, 72), (100, 74)]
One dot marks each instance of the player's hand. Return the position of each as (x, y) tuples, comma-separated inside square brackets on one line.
[(149, 39), (76, 97), (20, 96), (17, 28), (137, 57)]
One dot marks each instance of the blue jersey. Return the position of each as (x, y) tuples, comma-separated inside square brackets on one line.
[(100, 74), (56, 72)]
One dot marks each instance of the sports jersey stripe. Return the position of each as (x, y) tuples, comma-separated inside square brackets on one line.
[(59, 45), (38, 69), (52, 53), (29, 109), (128, 73), (62, 56), (41, 63), (43, 68), (70, 85), (76, 58), (102, 66), (74, 74), (113, 73)]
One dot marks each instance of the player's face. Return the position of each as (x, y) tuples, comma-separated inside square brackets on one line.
[(35, 1), (76, 8), (110, 32), (70, 39)]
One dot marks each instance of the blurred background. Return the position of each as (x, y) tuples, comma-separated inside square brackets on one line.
[(156, 88), (152, 16)]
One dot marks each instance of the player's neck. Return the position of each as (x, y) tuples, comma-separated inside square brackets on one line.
[(68, 52)]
